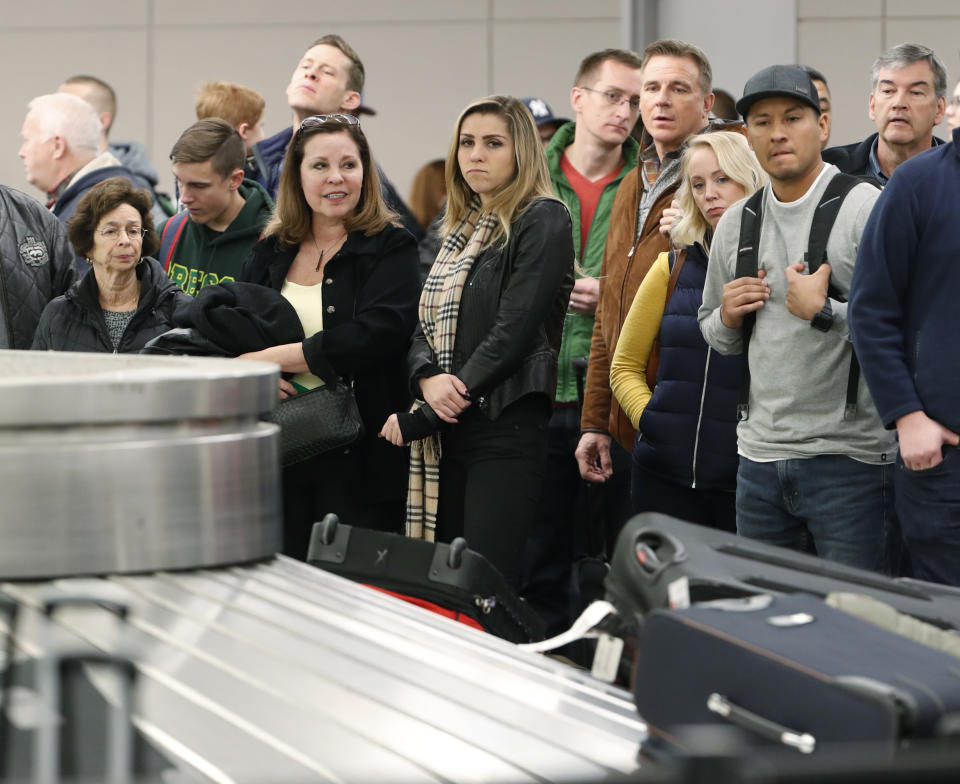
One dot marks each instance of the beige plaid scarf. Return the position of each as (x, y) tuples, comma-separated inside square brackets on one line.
[(439, 308)]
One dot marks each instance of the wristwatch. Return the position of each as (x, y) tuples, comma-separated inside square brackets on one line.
[(824, 319)]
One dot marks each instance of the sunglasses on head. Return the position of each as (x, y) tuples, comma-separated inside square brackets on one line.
[(324, 119), (716, 124)]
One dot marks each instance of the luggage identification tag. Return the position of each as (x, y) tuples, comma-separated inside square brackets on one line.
[(606, 660), (678, 594)]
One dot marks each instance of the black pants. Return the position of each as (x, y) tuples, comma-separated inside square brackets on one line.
[(712, 508), (575, 518), (491, 474), (332, 483)]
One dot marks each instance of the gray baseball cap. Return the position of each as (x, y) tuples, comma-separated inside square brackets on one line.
[(779, 81)]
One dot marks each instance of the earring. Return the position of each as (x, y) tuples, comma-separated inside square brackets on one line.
[(89, 261)]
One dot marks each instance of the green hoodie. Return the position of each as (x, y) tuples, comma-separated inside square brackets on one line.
[(203, 257), (577, 327)]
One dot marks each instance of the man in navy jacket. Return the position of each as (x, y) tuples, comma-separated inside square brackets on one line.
[(328, 80), (907, 101), (905, 322)]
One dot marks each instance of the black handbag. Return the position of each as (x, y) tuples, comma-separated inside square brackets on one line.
[(317, 421)]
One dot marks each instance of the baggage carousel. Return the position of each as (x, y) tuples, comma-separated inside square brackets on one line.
[(154, 634)]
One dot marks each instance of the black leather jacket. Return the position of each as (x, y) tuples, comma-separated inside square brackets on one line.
[(511, 313)]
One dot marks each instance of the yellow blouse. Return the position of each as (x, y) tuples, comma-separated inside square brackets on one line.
[(628, 370), (308, 302)]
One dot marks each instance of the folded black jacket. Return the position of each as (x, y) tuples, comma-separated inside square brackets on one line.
[(75, 321), (241, 317)]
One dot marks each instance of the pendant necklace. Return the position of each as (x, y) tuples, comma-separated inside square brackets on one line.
[(317, 246)]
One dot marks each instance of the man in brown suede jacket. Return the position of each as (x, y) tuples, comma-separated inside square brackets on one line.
[(674, 104)]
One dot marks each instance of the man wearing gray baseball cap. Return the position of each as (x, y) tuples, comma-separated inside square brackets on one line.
[(816, 464)]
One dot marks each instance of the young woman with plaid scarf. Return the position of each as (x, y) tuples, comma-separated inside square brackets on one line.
[(484, 361)]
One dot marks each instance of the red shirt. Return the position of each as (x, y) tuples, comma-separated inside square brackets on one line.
[(588, 194)]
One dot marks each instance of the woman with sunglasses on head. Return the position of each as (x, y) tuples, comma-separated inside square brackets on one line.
[(338, 254), (485, 357), (685, 408), (126, 299)]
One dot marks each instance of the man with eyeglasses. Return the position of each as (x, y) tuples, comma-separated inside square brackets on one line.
[(907, 101), (675, 103), (588, 159), (61, 154), (328, 79)]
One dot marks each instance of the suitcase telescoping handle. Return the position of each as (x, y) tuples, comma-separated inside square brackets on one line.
[(803, 742)]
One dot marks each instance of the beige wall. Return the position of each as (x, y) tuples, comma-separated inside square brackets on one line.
[(842, 38), (425, 60)]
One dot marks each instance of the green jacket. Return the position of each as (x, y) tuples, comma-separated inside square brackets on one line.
[(577, 327), (203, 257)]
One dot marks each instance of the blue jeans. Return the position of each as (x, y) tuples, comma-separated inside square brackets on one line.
[(831, 505), (928, 505)]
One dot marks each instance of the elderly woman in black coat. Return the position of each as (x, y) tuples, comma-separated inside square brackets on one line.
[(127, 299), (339, 255)]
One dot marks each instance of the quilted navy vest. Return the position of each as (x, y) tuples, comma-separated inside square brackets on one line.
[(688, 431)]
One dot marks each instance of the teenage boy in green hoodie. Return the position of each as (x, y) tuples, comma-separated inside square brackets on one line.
[(588, 159), (224, 213)]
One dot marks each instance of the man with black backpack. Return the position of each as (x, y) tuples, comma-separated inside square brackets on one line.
[(816, 464)]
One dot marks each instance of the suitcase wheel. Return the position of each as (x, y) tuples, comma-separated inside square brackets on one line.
[(328, 528), (455, 554)]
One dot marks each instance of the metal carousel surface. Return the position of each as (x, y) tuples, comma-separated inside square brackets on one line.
[(153, 635)]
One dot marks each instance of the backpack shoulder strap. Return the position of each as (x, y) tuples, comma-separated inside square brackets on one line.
[(169, 237), (748, 260), (748, 264), (824, 217)]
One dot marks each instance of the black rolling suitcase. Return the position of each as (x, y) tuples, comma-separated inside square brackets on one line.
[(791, 671), (449, 579), (660, 561)]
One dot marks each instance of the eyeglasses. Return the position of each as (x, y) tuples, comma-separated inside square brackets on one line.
[(615, 98), (112, 233), (322, 119)]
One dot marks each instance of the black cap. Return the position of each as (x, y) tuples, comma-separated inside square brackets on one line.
[(779, 81)]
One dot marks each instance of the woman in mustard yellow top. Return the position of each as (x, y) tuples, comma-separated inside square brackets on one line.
[(685, 452)]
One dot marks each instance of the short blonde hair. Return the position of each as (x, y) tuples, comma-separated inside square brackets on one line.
[(531, 179), (736, 160)]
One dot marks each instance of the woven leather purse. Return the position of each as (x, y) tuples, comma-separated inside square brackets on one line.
[(318, 421)]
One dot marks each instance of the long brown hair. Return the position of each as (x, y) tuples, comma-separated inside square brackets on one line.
[(292, 220), (428, 190)]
